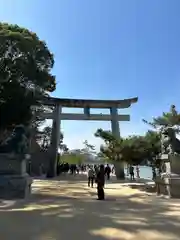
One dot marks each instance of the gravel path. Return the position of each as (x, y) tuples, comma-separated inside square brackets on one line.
[(65, 209)]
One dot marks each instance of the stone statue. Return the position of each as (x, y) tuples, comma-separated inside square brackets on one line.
[(169, 143), (17, 143)]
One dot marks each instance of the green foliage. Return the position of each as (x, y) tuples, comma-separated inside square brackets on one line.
[(107, 136), (133, 149), (169, 119), (64, 147), (73, 158), (25, 65), (46, 137), (112, 148), (153, 143), (89, 148)]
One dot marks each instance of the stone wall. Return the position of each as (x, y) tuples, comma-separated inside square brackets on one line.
[(12, 165), (14, 180), (15, 186)]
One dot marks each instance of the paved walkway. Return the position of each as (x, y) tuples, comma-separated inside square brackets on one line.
[(68, 210)]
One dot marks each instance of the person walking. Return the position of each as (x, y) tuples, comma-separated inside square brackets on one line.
[(131, 172), (137, 172), (108, 171), (91, 176)]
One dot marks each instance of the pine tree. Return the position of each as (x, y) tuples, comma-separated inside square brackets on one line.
[(168, 119)]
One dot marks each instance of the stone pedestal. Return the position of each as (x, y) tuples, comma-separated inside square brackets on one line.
[(169, 182), (14, 181)]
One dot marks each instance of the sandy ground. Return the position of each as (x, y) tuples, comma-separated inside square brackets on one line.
[(67, 209)]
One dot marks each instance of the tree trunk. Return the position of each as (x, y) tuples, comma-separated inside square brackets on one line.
[(119, 170)]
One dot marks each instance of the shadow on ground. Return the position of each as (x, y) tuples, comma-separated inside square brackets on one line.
[(68, 210)]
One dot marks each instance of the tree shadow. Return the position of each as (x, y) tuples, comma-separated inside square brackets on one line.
[(78, 215)]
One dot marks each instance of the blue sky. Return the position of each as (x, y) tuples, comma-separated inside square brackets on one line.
[(108, 49)]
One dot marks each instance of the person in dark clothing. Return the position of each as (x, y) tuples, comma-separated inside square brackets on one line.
[(100, 183), (108, 171), (96, 170), (131, 172), (66, 167), (73, 169)]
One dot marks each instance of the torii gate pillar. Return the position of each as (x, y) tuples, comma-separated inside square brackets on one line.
[(119, 165), (115, 122), (55, 141)]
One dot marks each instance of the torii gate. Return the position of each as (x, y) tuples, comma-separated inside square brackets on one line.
[(57, 115)]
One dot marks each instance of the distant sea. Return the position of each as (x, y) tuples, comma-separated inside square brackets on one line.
[(145, 172)]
